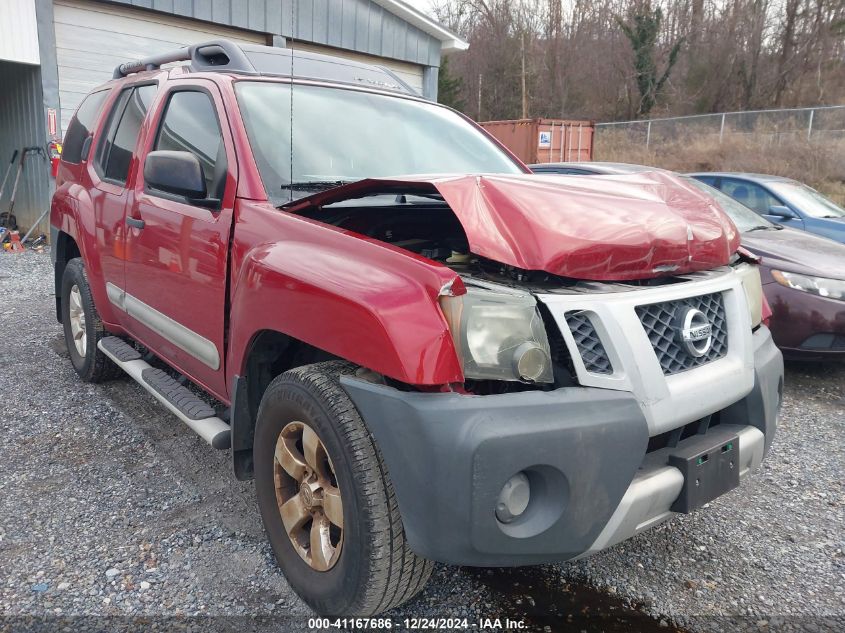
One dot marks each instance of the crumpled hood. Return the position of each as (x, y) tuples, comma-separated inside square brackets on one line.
[(621, 227)]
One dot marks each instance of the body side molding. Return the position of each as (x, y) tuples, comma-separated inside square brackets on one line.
[(185, 339)]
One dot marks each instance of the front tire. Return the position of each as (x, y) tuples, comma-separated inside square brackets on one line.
[(339, 539), (83, 327)]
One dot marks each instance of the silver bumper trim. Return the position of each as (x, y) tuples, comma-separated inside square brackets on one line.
[(654, 489), (752, 444)]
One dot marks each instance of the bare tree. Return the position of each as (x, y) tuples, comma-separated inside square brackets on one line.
[(643, 32), (574, 59)]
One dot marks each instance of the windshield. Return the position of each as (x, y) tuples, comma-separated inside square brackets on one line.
[(346, 135), (807, 199), (744, 218)]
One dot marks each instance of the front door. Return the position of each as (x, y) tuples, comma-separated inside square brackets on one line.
[(177, 249), (758, 199)]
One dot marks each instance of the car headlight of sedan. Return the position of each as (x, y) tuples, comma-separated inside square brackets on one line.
[(498, 335), (830, 288)]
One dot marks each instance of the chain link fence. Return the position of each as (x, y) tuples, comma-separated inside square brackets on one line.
[(822, 124)]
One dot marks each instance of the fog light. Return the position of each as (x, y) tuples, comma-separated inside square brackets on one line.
[(530, 361), (513, 499)]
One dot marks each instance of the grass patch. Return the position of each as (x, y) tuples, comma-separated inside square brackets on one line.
[(818, 163)]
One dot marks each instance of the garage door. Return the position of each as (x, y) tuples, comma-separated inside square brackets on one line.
[(411, 74), (93, 38)]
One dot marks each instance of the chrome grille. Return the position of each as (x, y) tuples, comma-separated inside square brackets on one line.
[(659, 321), (589, 344)]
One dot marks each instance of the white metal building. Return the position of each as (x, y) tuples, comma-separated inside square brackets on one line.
[(53, 52)]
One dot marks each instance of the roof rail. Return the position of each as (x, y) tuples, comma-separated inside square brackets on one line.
[(219, 55)]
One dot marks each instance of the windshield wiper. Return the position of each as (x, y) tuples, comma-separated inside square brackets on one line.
[(313, 185), (760, 227)]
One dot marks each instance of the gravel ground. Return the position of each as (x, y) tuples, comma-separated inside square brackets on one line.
[(111, 508)]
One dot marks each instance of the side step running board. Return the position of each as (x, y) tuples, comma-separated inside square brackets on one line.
[(180, 400)]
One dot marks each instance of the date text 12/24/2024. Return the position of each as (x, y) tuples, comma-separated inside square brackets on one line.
[(417, 624)]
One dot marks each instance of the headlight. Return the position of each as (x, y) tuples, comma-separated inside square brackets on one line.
[(830, 288), (499, 336), (753, 292)]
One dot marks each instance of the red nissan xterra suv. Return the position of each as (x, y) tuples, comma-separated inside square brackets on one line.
[(419, 351)]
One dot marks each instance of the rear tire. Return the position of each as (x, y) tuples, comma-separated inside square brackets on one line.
[(83, 327), (371, 568)]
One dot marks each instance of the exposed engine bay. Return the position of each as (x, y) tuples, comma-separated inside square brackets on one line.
[(427, 226)]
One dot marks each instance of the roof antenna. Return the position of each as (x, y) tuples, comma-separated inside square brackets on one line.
[(293, 30)]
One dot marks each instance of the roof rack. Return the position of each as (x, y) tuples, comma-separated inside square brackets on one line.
[(219, 55), (252, 59)]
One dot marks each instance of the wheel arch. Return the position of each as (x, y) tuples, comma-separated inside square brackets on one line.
[(73, 230), (320, 293), (65, 249), (268, 354)]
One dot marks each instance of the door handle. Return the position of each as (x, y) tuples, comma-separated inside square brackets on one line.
[(138, 224)]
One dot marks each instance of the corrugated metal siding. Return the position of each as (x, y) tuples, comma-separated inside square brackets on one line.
[(92, 38), (21, 125), (356, 25), (18, 31)]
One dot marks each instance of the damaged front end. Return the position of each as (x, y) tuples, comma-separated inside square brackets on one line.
[(616, 368), (618, 441), (514, 239), (594, 465)]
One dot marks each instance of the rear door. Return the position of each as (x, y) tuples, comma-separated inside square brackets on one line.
[(109, 171), (177, 250)]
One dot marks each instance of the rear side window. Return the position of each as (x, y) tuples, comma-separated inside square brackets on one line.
[(117, 147), (190, 125), (81, 126)]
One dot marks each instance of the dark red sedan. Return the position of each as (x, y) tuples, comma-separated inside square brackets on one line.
[(804, 281), (803, 274)]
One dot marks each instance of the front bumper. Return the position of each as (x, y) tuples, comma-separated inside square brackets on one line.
[(585, 451)]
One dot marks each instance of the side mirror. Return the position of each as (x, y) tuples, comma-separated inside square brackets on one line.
[(782, 212), (179, 173)]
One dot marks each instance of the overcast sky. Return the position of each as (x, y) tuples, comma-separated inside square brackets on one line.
[(422, 5)]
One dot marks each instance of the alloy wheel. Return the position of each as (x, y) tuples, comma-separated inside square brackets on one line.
[(308, 496), (77, 321)]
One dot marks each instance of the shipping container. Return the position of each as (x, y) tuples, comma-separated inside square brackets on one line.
[(545, 140)]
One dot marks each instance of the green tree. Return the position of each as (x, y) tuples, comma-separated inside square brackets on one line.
[(642, 33), (449, 87)]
